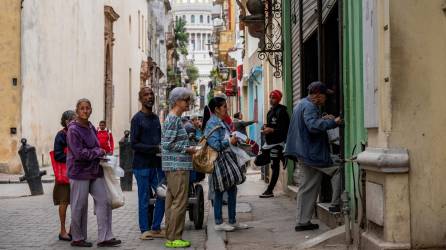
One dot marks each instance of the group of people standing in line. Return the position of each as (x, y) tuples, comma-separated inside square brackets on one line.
[(164, 152)]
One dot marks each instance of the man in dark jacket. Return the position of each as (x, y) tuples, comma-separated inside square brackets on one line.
[(307, 142), (275, 131), (146, 142)]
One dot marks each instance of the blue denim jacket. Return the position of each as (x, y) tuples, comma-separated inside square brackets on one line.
[(217, 140), (307, 138)]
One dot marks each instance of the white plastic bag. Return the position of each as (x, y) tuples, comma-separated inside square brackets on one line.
[(112, 183), (112, 161), (242, 156)]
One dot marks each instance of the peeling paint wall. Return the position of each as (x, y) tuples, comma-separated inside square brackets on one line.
[(418, 73), (63, 61), (10, 94)]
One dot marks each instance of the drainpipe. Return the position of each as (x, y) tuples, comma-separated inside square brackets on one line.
[(345, 196)]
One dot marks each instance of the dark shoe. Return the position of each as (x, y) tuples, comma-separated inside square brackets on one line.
[(334, 209), (306, 226), (109, 243), (65, 238), (267, 194), (81, 243)]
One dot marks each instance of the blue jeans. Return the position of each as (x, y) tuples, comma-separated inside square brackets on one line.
[(147, 180), (218, 204)]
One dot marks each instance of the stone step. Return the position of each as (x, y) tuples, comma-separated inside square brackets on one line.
[(332, 220)]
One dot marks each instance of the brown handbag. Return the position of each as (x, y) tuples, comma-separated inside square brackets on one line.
[(203, 159)]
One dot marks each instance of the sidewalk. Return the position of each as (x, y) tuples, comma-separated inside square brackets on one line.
[(272, 222), (14, 178)]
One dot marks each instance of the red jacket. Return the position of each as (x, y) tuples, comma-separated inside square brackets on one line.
[(106, 142)]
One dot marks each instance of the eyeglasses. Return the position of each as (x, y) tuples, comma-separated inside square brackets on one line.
[(188, 100)]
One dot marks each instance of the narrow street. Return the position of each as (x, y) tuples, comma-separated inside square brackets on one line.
[(31, 222)]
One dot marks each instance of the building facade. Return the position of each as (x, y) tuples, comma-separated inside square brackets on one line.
[(199, 27), (69, 50), (10, 85)]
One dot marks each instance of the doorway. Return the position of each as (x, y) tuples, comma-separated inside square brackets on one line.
[(110, 17)]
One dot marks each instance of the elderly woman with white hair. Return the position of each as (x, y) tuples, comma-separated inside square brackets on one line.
[(177, 163)]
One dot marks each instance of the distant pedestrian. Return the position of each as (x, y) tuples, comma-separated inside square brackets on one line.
[(87, 177), (146, 142), (241, 125), (275, 131), (177, 164), (61, 192), (105, 138), (308, 144), (220, 141), (193, 129)]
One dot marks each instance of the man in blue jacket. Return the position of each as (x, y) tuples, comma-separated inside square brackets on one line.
[(307, 142)]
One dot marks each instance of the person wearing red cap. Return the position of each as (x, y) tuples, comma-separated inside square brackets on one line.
[(275, 131)]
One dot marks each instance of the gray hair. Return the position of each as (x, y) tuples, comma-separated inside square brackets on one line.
[(179, 93), (81, 101)]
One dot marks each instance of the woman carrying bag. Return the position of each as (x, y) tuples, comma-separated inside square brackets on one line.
[(87, 177), (227, 173), (61, 192)]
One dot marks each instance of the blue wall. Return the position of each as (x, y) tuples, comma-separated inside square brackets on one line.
[(255, 91)]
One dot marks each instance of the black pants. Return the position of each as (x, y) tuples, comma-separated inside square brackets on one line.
[(276, 156)]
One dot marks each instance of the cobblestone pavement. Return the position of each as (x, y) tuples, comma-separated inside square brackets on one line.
[(32, 222)]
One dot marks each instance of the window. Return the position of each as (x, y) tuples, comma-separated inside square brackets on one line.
[(192, 19), (201, 19), (184, 17), (192, 40), (143, 37), (209, 19), (130, 24), (130, 94), (139, 29), (209, 41), (199, 41), (176, 18)]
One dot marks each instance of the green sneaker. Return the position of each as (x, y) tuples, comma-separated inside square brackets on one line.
[(177, 244)]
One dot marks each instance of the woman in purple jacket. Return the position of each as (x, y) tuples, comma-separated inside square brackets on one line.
[(86, 176)]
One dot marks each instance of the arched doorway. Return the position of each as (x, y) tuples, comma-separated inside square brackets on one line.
[(110, 17)]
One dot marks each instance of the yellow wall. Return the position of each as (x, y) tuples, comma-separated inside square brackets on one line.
[(418, 87), (10, 96)]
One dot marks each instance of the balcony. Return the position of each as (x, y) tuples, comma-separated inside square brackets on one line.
[(227, 40)]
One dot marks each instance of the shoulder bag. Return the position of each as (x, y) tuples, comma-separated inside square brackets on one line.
[(203, 159)]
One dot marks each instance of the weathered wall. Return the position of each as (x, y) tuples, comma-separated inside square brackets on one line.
[(10, 95), (63, 60), (127, 57), (418, 73)]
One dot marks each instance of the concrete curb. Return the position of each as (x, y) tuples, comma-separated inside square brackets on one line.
[(215, 240), (18, 182), (332, 235)]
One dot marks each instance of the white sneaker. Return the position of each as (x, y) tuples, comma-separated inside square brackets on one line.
[(240, 226), (224, 227)]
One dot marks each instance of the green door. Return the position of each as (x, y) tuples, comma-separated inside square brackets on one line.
[(355, 133)]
